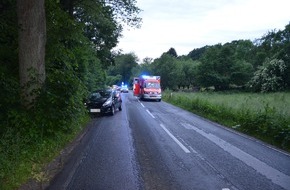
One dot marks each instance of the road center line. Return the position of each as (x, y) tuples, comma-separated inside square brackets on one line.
[(150, 114), (269, 172), (175, 139), (142, 105)]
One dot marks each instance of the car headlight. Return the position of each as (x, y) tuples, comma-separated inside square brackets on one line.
[(108, 102)]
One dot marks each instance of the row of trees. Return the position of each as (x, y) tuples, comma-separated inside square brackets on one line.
[(52, 53), (261, 66)]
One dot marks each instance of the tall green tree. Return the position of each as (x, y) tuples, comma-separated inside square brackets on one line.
[(103, 22), (189, 69), (276, 45), (124, 63), (244, 50), (242, 69), (166, 67), (100, 21), (241, 73), (172, 52), (144, 68), (197, 53), (180, 75), (99, 26), (214, 70), (125, 11), (225, 65)]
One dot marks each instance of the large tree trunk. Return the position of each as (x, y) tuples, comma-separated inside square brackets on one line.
[(32, 40)]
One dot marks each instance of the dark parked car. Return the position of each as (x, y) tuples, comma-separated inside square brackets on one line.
[(104, 101)]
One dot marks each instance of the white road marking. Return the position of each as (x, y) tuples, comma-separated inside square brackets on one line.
[(142, 105), (187, 125), (175, 139), (192, 150), (269, 172), (150, 114)]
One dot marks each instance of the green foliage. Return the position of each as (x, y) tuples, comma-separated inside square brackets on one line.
[(241, 73), (24, 152), (275, 45), (172, 52), (225, 65), (9, 85), (269, 77), (186, 70), (211, 71), (123, 67), (197, 53), (229, 66), (102, 22), (8, 36), (125, 11), (268, 121), (99, 26), (145, 68), (77, 41), (71, 52), (113, 80), (166, 67)]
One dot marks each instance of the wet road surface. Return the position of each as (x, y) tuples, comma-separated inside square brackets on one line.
[(154, 145)]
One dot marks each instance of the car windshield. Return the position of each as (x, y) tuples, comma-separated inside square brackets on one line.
[(100, 94), (152, 85)]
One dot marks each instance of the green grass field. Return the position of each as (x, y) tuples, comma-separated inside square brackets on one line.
[(280, 102), (264, 116)]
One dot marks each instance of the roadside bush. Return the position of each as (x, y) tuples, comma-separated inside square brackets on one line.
[(269, 77), (29, 138)]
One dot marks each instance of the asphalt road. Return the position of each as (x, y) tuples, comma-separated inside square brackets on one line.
[(154, 145)]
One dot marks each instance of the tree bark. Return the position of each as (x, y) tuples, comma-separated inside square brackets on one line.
[(32, 40)]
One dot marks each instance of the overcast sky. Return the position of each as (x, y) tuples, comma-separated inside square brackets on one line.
[(189, 24)]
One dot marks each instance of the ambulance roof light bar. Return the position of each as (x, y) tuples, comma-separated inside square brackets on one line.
[(150, 77)]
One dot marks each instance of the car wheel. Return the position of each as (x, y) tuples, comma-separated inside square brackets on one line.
[(112, 110)]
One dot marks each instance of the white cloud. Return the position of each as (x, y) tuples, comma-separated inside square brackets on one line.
[(188, 24)]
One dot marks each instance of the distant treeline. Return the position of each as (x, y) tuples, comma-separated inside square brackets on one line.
[(262, 65)]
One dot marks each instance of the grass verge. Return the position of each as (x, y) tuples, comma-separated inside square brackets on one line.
[(263, 116), (24, 156)]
